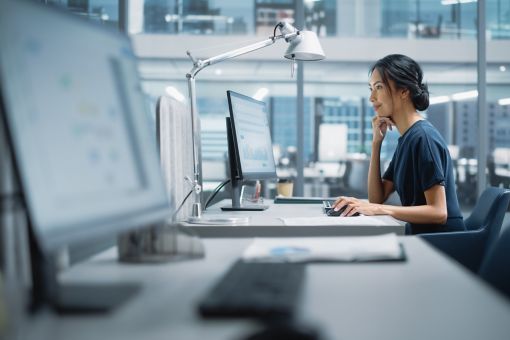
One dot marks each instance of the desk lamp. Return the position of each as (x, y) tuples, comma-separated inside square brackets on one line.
[(304, 45)]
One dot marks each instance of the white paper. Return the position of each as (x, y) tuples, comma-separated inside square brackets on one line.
[(336, 220), (219, 220), (307, 249)]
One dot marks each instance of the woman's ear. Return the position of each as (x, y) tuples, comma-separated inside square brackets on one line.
[(404, 93)]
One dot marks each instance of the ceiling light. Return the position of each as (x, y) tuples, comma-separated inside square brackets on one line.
[(439, 100), (465, 95), (502, 68), (504, 101), (454, 2), (261, 93)]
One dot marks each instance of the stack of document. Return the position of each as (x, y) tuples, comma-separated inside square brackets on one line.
[(219, 220), (309, 249)]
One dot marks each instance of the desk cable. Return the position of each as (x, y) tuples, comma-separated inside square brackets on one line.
[(182, 203), (215, 192), (209, 199)]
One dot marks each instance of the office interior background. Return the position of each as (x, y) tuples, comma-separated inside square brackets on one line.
[(320, 113), (440, 34)]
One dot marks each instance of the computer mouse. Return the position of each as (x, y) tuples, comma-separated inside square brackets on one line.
[(335, 213), (286, 332)]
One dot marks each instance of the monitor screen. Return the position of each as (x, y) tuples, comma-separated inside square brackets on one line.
[(84, 150), (332, 142), (252, 137)]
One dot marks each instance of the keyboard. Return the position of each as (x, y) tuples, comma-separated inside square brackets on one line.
[(326, 205), (301, 200), (261, 290)]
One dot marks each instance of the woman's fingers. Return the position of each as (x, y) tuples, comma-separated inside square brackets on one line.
[(339, 203), (380, 125), (343, 201), (387, 121), (350, 210)]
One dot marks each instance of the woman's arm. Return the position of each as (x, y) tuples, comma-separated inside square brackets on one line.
[(378, 189), (434, 212)]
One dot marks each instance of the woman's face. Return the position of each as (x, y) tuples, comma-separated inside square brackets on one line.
[(380, 95)]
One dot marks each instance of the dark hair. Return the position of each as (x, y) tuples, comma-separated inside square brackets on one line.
[(407, 74)]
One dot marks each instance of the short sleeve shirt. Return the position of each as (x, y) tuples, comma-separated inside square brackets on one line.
[(421, 161)]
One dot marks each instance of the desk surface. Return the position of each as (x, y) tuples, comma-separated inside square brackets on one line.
[(269, 223), (427, 297)]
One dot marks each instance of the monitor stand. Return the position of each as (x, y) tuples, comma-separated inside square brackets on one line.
[(236, 200), (161, 242), (92, 298), (157, 244), (68, 297)]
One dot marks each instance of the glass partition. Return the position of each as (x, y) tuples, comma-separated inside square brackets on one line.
[(498, 19), (411, 19), (102, 11), (498, 96)]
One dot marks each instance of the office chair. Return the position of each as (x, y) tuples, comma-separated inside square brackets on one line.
[(482, 229), (494, 268), (173, 129)]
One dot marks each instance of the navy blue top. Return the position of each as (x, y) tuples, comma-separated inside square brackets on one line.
[(421, 161)]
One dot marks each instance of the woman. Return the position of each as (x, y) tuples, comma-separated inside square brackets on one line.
[(421, 169)]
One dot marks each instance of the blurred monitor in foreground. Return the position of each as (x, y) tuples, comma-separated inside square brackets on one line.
[(85, 154)]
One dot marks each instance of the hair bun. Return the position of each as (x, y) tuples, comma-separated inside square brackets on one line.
[(421, 97)]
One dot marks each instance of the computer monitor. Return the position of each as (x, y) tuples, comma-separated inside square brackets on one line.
[(332, 142), (250, 148), (85, 154)]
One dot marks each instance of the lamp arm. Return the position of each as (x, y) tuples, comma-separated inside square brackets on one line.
[(198, 65)]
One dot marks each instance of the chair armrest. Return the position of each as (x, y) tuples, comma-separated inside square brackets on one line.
[(466, 247)]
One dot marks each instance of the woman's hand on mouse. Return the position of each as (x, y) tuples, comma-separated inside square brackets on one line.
[(355, 205), (350, 203)]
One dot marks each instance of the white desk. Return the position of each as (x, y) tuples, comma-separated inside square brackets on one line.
[(268, 223), (427, 297)]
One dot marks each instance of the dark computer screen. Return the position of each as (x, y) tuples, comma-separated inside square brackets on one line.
[(252, 136), (249, 142), (85, 154)]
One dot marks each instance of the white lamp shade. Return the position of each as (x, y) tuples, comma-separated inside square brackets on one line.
[(306, 47)]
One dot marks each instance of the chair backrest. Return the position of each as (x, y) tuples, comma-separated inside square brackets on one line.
[(491, 206), (489, 212), (495, 267), (173, 127)]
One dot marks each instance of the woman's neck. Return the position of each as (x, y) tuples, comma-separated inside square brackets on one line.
[(405, 119)]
